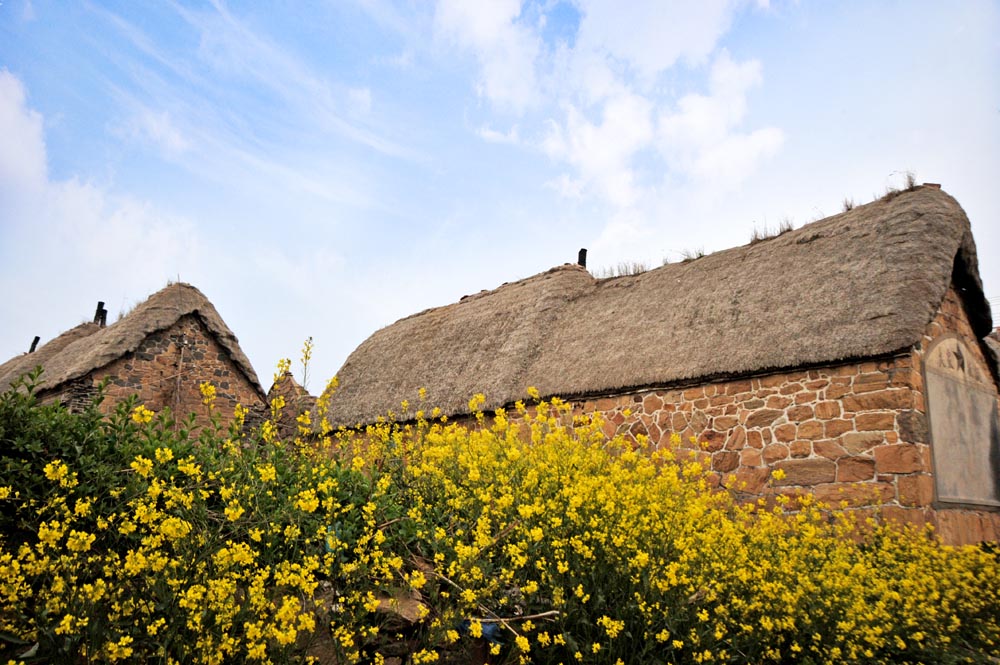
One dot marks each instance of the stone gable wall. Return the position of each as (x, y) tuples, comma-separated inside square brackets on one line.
[(853, 434), (166, 370)]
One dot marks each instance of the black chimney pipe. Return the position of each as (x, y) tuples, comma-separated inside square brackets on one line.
[(34, 344), (101, 315), (582, 259)]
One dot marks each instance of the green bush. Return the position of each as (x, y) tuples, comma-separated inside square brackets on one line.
[(522, 539)]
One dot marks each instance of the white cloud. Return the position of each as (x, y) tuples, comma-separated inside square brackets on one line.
[(700, 137), (22, 150), (491, 135), (158, 128), (117, 243), (602, 151), (652, 35), (505, 49), (601, 114)]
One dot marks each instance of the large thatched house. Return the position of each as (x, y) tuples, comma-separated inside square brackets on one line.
[(161, 352), (850, 353)]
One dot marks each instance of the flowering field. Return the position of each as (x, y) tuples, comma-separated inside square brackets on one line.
[(528, 537)]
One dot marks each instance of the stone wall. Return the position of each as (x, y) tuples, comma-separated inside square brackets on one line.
[(853, 434), (166, 370)]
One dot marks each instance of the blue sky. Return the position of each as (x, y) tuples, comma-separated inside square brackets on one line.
[(325, 168)]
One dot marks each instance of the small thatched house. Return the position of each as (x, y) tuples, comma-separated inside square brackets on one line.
[(850, 353), (161, 351)]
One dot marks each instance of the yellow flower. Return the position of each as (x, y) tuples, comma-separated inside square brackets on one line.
[(234, 510), (266, 472), (79, 541), (207, 394), (475, 629), (141, 415), (56, 470), (477, 402), (307, 501), (142, 466)]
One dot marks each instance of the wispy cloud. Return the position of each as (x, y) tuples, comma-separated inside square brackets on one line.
[(107, 239), (505, 48), (594, 101), (233, 48)]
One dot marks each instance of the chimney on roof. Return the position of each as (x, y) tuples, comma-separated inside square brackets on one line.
[(34, 344), (582, 257), (101, 315)]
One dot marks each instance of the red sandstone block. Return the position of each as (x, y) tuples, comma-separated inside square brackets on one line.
[(898, 458), (651, 404), (712, 440), (725, 422), (880, 400), (834, 428), (721, 400), (751, 481), (791, 388), (737, 439), (810, 429), (914, 516), (751, 457), (737, 387), (860, 442), (775, 452), (806, 397), (806, 472), (694, 393), (836, 391), (800, 449), (829, 449), (852, 469), (773, 381), (864, 383), (827, 410), (800, 413), (855, 494), (785, 433), (915, 490), (606, 404), (778, 402), (698, 421), (868, 422), (725, 460), (763, 417)]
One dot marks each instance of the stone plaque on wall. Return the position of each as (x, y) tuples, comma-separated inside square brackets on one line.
[(965, 431)]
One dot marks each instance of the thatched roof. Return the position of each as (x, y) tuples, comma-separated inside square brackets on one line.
[(859, 284), (87, 347)]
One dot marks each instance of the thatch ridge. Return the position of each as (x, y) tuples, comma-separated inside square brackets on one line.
[(863, 283), (26, 362), (74, 354)]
